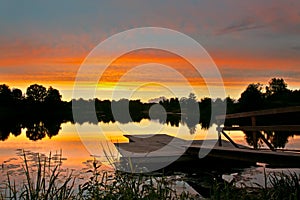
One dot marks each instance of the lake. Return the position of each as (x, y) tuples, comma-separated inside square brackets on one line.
[(79, 143), (78, 148)]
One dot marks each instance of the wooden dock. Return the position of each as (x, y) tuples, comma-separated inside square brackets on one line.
[(161, 149), (257, 129), (150, 151)]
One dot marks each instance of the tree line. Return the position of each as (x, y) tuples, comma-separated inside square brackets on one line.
[(36, 102), (254, 97), (42, 110), (42, 102)]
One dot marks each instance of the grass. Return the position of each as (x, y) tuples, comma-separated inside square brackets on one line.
[(282, 187), (44, 178)]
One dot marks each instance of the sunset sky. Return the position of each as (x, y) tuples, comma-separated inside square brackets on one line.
[(250, 41)]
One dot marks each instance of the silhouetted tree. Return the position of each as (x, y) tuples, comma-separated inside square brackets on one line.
[(205, 106), (231, 105), (5, 95), (219, 107), (295, 97), (120, 110), (252, 98), (174, 105), (189, 105), (17, 94), (36, 93), (276, 86), (278, 95), (53, 96)]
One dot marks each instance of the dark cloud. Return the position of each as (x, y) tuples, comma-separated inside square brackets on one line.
[(246, 24), (297, 48), (231, 72)]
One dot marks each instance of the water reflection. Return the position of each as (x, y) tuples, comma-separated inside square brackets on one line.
[(37, 129), (278, 139)]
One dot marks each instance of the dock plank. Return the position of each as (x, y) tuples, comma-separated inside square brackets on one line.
[(263, 128), (273, 111), (144, 149)]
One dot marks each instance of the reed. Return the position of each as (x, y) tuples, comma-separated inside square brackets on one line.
[(282, 187), (45, 179), (42, 181)]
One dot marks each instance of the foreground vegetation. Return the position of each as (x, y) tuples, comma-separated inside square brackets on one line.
[(44, 178), (282, 187)]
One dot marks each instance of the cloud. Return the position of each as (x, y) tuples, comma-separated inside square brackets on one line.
[(243, 25), (229, 72), (157, 100), (297, 48)]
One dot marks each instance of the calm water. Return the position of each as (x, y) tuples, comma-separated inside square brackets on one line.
[(78, 148)]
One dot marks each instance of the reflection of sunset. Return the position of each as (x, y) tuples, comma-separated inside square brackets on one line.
[(74, 150)]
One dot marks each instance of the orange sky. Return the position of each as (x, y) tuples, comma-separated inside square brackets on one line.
[(249, 41)]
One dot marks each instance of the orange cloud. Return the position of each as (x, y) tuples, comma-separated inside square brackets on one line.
[(136, 58)]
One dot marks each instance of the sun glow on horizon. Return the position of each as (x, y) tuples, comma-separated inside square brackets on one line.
[(110, 80)]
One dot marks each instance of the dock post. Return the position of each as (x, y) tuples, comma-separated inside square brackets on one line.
[(219, 135), (253, 121)]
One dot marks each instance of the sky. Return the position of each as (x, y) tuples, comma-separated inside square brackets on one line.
[(249, 41)]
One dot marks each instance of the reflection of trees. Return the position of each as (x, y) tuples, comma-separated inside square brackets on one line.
[(190, 112), (277, 138), (173, 120), (16, 130), (190, 121), (7, 127), (39, 129), (52, 127), (36, 130), (251, 140), (4, 132)]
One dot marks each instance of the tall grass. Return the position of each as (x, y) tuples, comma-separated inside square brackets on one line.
[(121, 185), (45, 179), (282, 187)]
